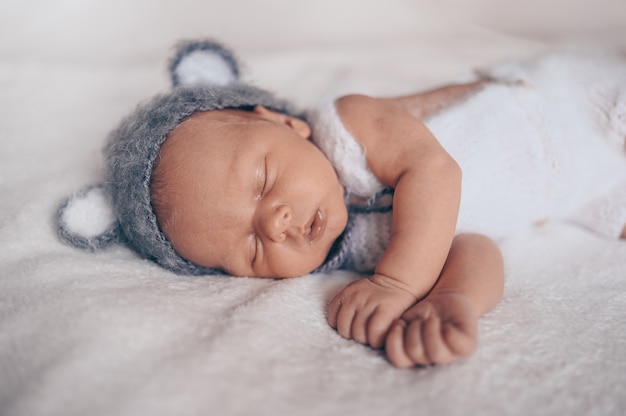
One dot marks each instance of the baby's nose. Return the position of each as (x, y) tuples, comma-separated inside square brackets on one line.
[(277, 221)]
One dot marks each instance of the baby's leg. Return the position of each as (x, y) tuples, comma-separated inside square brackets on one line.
[(443, 326)]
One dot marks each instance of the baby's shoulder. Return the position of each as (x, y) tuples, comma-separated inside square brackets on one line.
[(342, 150)]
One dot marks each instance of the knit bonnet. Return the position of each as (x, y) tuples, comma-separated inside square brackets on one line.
[(205, 76)]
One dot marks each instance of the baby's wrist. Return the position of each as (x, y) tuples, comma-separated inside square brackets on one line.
[(443, 293), (393, 283)]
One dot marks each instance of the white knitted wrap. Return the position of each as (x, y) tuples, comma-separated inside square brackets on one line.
[(550, 148), (370, 237), (371, 231), (343, 151)]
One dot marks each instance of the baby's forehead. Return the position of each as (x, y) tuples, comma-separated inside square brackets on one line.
[(217, 133), (206, 125), (219, 118)]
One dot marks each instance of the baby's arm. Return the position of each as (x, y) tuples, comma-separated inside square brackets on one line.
[(404, 155), (443, 326)]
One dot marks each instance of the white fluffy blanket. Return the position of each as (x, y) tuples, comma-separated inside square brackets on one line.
[(110, 334)]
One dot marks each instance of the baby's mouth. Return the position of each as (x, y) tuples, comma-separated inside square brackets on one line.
[(317, 226)]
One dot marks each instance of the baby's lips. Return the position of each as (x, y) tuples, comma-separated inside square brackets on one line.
[(318, 226)]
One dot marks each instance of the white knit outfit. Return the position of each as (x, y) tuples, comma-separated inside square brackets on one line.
[(550, 147)]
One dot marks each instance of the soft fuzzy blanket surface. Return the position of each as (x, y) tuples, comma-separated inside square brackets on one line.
[(110, 334)]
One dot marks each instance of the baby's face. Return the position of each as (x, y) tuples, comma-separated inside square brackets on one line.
[(248, 193)]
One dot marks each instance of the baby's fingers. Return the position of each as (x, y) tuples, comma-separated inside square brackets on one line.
[(414, 342), (462, 341), (333, 311), (436, 351), (394, 346), (378, 327), (345, 317)]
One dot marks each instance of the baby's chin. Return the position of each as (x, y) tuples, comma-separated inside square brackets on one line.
[(302, 267)]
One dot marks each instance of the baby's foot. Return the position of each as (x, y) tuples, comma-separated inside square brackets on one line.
[(438, 330)]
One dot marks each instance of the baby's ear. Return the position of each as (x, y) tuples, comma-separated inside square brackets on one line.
[(203, 62), (300, 126), (86, 219)]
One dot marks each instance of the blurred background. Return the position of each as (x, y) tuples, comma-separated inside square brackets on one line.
[(95, 29), (103, 56), (70, 69)]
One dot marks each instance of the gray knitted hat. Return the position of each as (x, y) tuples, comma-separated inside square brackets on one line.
[(205, 76)]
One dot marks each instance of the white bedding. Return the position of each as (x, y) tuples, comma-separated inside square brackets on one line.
[(109, 334)]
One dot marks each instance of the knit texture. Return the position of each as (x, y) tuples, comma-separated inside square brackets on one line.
[(542, 149), (345, 153), (78, 225), (134, 146), (205, 77), (530, 152)]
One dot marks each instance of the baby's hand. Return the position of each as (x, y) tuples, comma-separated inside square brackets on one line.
[(364, 310), (438, 330)]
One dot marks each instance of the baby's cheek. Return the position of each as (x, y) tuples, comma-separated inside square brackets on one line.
[(285, 264)]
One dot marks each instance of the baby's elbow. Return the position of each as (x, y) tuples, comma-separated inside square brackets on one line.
[(449, 168), (456, 170)]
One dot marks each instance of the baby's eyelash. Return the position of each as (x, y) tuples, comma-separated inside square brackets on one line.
[(264, 176), (261, 180), (256, 250)]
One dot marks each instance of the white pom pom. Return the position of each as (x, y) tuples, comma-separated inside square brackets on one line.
[(202, 67), (88, 214)]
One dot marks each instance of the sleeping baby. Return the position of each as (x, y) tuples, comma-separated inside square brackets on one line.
[(221, 177)]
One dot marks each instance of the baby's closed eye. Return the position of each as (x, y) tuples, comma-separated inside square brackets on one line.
[(252, 248), (261, 179), (257, 243)]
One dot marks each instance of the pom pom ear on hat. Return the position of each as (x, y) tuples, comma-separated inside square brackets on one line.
[(203, 62), (86, 219), (206, 77)]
